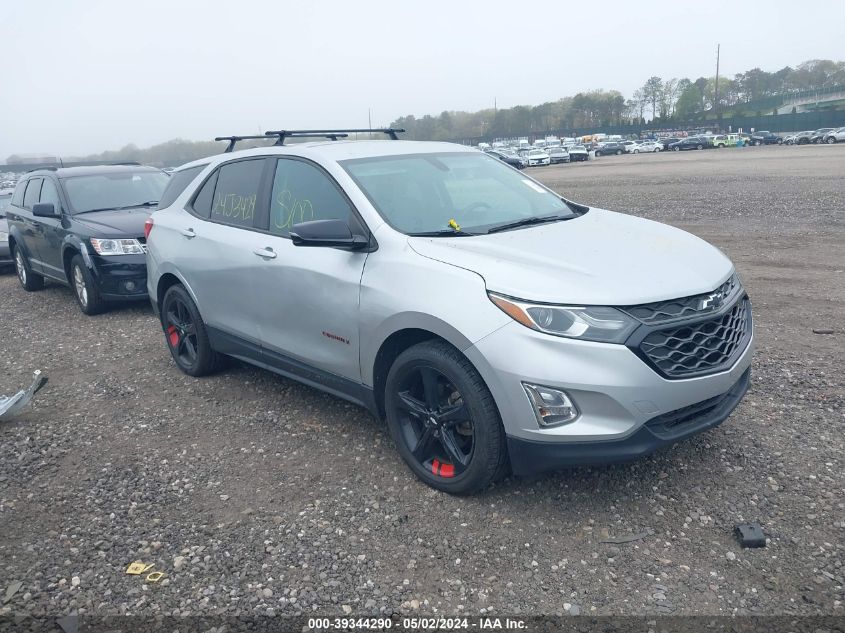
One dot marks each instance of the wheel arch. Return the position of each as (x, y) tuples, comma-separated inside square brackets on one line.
[(167, 280), (397, 341)]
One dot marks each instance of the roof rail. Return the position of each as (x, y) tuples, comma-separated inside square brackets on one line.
[(44, 168)]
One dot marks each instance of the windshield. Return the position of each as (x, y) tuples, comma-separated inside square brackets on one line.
[(422, 193), (114, 190)]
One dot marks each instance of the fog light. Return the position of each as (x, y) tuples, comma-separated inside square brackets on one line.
[(553, 407), (130, 286)]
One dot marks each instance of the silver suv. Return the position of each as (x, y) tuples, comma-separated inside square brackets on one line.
[(493, 323)]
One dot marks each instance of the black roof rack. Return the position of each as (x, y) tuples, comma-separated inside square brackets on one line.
[(281, 135)]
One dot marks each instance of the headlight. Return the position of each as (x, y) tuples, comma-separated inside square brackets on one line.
[(587, 323), (117, 247)]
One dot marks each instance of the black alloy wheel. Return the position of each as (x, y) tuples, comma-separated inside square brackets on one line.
[(186, 335), (444, 420)]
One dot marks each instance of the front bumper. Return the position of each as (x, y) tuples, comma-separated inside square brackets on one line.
[(617, 393), (121, 277), (529, 457)]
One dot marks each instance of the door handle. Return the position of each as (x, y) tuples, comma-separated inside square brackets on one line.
[(266, 253), (189, 233)]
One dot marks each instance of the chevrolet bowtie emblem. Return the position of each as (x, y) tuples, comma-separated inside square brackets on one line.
[(712, 301)]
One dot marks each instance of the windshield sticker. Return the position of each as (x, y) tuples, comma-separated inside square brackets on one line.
[(533, 185)]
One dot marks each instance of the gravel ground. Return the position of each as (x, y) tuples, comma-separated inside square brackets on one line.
[(256, 495)]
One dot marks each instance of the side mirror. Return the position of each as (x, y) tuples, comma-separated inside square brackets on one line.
[(332, 233), (44, 210)]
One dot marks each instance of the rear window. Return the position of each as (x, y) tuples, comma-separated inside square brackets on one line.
[(179, 180), (236, 193)]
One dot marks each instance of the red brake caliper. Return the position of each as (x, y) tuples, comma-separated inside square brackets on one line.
[(444, 470), (173, 335)]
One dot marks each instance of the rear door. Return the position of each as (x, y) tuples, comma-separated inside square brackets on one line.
[(309, 296), (30, 225), (213, 246)]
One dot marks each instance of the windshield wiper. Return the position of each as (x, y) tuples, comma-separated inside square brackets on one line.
[(149, 203), (442, 233), (528, 221)]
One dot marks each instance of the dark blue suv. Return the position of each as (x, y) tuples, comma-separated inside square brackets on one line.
[(84, 227)]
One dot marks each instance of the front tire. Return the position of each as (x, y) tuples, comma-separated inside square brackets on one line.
[(677, 149), (85, 288), (30, 281), (444, 420), (186, 335), (831, 140)]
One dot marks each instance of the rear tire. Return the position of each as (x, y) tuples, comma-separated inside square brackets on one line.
[(677, 149), (30, 281), (435, 399), (618, 152), (185, 334), (85, 288)]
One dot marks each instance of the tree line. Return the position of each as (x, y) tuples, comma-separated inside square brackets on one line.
[(659, 101)]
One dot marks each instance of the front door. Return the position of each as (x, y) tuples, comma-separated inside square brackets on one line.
[(51, 233), (309, 295)]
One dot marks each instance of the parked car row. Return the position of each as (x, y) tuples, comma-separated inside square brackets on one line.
[(827, 135), (420, 280), (534, 157)]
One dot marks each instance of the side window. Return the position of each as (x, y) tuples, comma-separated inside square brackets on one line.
[(236, 193), (301, 193), (178, 182), (17, 197), (49, 193), (33, 191), (202, 203)]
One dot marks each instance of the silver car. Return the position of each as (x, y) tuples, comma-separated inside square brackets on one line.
[(492, 323)]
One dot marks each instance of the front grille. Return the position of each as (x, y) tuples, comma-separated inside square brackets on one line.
[(702, 347), (685, 307)]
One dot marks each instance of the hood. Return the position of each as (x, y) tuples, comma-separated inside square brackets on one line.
[(123, 223), (600, 258)]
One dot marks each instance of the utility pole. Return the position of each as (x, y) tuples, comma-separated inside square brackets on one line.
[(716, 99)]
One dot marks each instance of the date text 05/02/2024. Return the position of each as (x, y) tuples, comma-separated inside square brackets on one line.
[(417, 624)]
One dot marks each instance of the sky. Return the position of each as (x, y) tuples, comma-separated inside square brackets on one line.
[(83, 76)]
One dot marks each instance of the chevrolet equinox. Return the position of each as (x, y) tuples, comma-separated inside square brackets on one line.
[(494, 324)]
